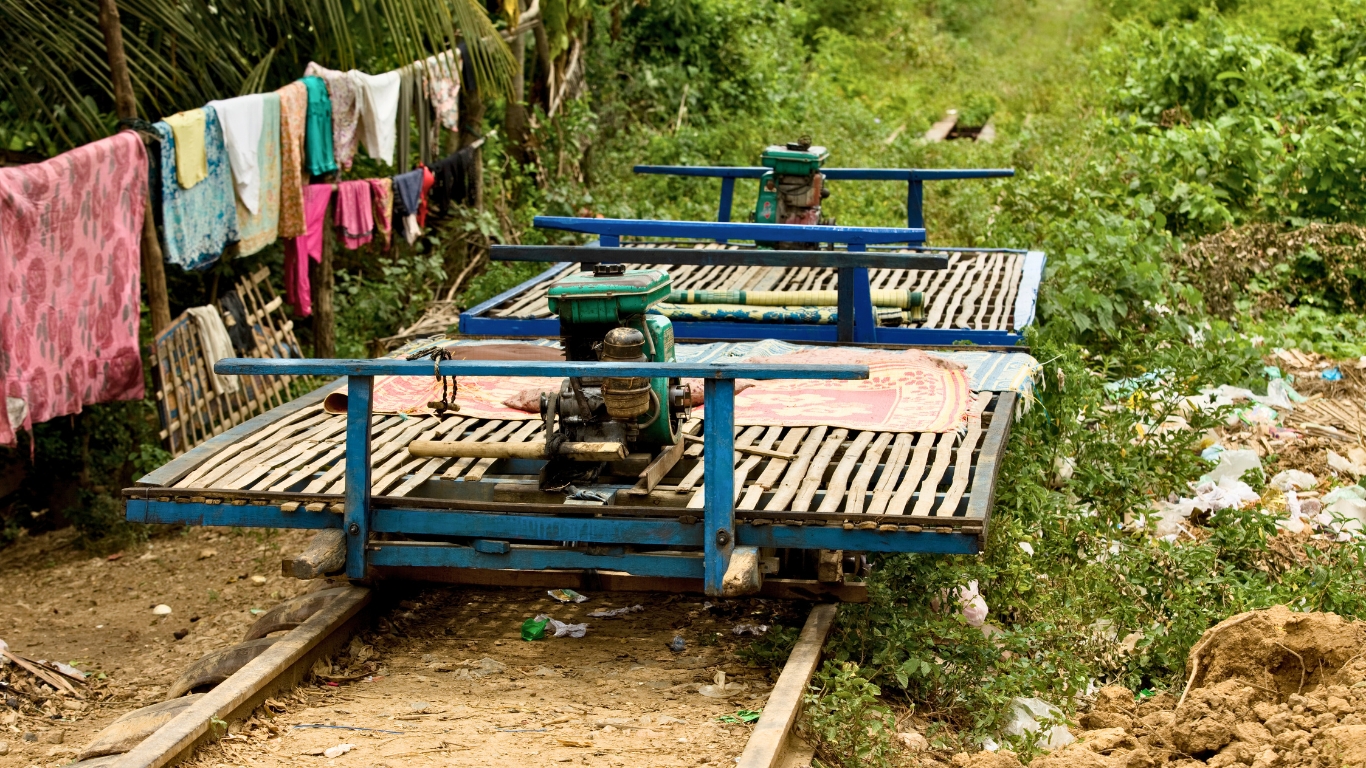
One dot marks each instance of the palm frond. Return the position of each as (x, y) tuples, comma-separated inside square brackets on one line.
[(182, 53)]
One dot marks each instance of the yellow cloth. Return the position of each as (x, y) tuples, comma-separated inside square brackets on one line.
[(191, 164)]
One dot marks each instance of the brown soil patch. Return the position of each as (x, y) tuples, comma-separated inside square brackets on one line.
[(61, 603)]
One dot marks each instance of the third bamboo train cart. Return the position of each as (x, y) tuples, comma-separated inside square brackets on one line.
[(722, 407)]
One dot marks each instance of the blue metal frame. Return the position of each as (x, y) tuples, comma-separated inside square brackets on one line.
[(610, 231), (915, 179), (360, 519)]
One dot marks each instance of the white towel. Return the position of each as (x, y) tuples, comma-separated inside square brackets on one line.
[(213, 337), (377, 96), (241, 119)]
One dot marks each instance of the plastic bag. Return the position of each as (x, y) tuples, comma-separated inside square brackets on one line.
[(1294, 480), (1025, 717), (1233, 464), (720, 689)]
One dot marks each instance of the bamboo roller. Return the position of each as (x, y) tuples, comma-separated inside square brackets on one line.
[(473, 449), (882, 297)]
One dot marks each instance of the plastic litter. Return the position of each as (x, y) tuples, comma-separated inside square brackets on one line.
[(973, 604), (1026, 716), (1233, 464), (1227, 493), (562, 629), (1294, 480), (534, 629), (749, 629), (1332, 374), (720, 689), (1259, 416), (742, 716), (678, 644), (1354, 463), (567, 596), (1211, 454), (338, 750), (614, 613)]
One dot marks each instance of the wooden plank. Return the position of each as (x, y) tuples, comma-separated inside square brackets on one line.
[(796, 472), (791, 442), (963, 463), (217, 452), (245, 685), (746, 438), (929, 489), (1012, 286), (911, 481), (859, 487), (815, 474), (989, 459), (765, 744), (839, 481), (891, 472), (657, 469)]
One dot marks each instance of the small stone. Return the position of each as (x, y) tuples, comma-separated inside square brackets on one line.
[(180, 634), (913, 741), (54, 737), (4, 747), (338, 750), (162, 610), (30, 736), (258, 580), (205, 554)]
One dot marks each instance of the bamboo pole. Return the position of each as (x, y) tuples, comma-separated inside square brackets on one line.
[(153, 266)]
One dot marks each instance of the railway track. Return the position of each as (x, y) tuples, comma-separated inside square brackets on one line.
[(622, 696)]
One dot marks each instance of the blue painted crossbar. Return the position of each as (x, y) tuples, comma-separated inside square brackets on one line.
[(611, 230), (914, 177), (718, 533)]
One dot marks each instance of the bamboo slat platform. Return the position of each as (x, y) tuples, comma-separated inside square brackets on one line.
[(295, 455), (977, 291)]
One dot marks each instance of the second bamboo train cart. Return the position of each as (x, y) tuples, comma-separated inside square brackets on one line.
[(582, 457)]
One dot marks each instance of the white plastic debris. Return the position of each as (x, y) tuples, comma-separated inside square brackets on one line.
[(1027, 547), (604, 613), (562, 629), (1233, 464), (974, 606), (1354, 463), (1227, 493), (162, 610), (1027, 714), (1063, 469), (338, 750), (1294, 480), (749, 629), (720, 689)]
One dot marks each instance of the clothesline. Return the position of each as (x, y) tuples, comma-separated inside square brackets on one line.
[(235, 170)]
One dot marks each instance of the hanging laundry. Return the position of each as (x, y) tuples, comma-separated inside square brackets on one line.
[(355, 214), (443, 87), (214, 339), (377, 96), (191, 164), (241, 120), (256, 230), (299, 251), (403, 158), (197, 223), (427, 126), (318, 137), (407, 201), (454, 180), (293, 121), (382, 190), (70, 264), (345, 111), (428, 180)]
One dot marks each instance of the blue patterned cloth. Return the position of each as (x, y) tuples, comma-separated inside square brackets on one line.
[(197, 223)]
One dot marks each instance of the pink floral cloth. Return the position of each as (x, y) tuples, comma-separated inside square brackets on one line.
[(293, 120), (443, 88), (70, 265), (345, 111), (299, 251), (355, 213)]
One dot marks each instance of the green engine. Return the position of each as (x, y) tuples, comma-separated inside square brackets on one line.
[(603, 317), (791, 193)]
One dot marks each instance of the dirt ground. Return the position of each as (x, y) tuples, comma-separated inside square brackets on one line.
[(453, 684), (441, 676), (60, 603)]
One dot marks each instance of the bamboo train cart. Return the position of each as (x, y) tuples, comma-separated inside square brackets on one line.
[(437, 495), (985, 296)]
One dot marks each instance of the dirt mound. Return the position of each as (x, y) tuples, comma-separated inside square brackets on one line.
[(1277, 650), (1270, 689)]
